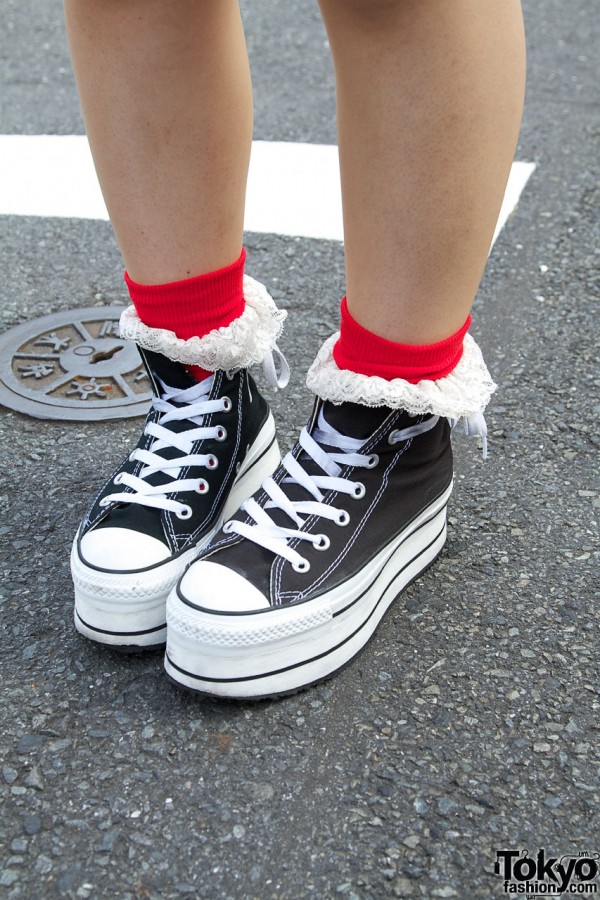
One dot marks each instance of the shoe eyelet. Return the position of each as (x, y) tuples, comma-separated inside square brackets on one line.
[(343, 518), (373, 461), (227, 404), (212, 462), (132, 456), (301, 566), (104, 502), (228, 527), (323, 542), (393, 436), (221, 434), (118, 478), (185, 513), (202, 487), (359, 490)]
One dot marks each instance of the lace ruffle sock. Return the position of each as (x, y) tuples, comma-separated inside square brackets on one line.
[(294, 586), (462, 393), (249, 339), (205, 447)]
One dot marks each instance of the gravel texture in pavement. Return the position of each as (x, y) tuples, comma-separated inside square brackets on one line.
[(470, 722)]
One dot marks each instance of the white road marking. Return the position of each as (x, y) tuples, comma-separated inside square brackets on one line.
[(293, 189)]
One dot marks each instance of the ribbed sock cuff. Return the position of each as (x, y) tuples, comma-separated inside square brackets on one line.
[(366, 353), (194, 306)]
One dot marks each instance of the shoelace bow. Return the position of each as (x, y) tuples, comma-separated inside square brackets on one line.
[(276, 538), (196, 407)]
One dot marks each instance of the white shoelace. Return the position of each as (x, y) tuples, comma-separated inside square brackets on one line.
[(474, 426), (196, 407), (276, 538), (277, 380)]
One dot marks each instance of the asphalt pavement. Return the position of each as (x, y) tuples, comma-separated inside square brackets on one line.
[(469, 725)]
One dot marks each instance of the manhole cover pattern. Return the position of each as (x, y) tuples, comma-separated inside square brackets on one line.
[(73, 365)]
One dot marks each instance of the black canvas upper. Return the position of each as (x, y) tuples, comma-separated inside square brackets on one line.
[(249, 412), (408, 477)]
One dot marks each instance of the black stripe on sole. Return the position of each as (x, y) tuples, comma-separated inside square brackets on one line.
[(248, 678), (130, 634)]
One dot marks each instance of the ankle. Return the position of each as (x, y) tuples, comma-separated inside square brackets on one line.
[(193, 307), (366, 353), (249, 339), (464, 393)]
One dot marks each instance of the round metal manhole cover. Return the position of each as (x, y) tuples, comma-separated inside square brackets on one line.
[(73, 365)]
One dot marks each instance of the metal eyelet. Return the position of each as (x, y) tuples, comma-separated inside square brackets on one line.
[(118, 478), (373, 461), (202, 486), (227, 404), (104, 502), (323, 542), (301, 566), (212, 462), (228, 527), (393, 437), (221, 434), (359, 490), (343, 518), (185, 513)]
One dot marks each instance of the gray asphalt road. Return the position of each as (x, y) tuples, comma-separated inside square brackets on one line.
[(470, 723)]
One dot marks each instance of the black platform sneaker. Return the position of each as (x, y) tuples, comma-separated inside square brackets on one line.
[(205, 448), (295, 585)]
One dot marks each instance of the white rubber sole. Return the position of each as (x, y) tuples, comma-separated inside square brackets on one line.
[(127, 610), (284, 649)]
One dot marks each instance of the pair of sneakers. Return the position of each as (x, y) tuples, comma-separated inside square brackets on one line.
[(261, 575)]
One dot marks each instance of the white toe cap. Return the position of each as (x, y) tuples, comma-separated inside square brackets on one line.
[(218, 588), (121, 550)]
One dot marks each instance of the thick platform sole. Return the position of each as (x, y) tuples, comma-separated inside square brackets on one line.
[(127, 610), (281, 650)]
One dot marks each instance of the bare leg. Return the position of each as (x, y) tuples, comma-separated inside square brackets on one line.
[(429, 96), (166, 94)]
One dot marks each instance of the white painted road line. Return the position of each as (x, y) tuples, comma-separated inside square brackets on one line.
[(293, 189)]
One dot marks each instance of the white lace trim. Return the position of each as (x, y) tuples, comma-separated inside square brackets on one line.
[(465, 392), (244, 342)]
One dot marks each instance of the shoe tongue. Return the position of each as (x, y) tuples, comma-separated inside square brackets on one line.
[(354, 420), (148, 519), (350, 419), (177, 426), (172, 373), (137, 517), (357, 421)]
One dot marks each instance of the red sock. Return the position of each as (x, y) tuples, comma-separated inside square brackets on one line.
[(362, 351), (194, 306)]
